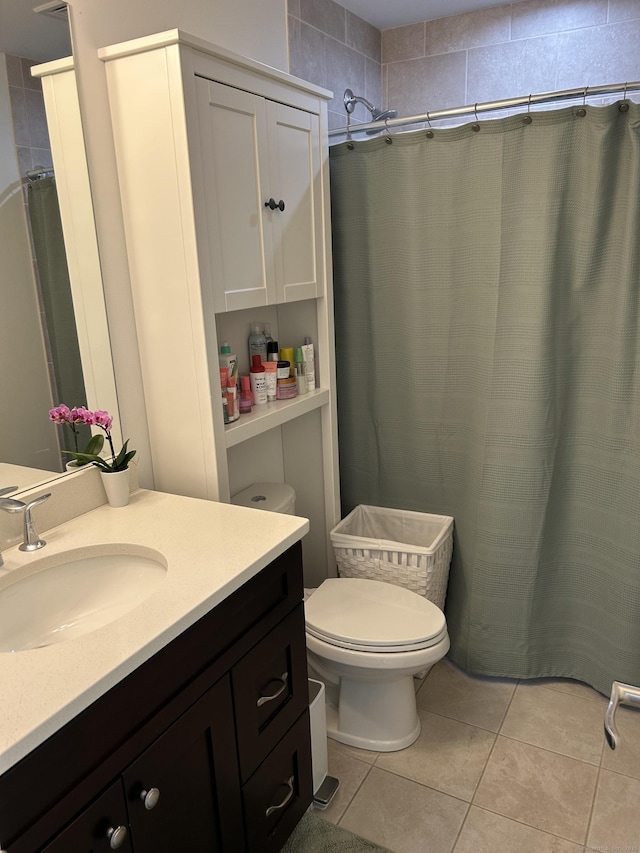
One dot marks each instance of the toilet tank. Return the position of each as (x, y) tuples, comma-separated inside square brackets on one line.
[(273, 497)]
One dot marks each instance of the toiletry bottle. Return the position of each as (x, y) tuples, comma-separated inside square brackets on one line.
[(310, 364), (229, 360), (286, 354), (257, 342), (246, 398), (258, 381), (301, 377), (272, 351), (233, 401), (271, 368), (224, 378)]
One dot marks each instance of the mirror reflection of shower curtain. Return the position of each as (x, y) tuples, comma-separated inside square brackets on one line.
[(487, 303), (57, 303)]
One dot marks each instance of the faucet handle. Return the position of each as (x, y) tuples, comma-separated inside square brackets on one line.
[(32, 541), (6, 490), (11, 505)]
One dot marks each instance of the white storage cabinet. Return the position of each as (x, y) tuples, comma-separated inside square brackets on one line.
[(223, 173)]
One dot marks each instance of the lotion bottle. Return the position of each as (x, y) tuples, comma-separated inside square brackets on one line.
[(309, 364), (258, 381)]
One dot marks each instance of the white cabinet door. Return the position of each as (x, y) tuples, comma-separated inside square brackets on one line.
[(262, 185), (234, 161), (294, 148)]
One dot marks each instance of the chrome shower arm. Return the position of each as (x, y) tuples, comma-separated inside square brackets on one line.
[(350, 101)]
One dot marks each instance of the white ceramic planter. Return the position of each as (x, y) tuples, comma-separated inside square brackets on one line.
[(116, 486)]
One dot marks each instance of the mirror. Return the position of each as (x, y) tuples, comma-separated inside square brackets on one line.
[(54, 343)]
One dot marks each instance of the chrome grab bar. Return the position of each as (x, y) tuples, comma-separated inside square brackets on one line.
[(620, 693)]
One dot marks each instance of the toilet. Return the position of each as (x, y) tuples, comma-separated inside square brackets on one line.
[(365, 641)]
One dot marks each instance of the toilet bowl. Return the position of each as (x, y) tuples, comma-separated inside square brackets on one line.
[(366, 640)]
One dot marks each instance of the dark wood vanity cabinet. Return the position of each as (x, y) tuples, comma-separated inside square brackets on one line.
[(203, 748)]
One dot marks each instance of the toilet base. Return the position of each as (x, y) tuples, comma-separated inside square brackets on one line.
[(390, 723)]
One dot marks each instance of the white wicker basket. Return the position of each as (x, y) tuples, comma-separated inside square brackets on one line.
[(409, 549)]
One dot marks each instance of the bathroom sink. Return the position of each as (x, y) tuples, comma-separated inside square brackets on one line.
[(66, 595)]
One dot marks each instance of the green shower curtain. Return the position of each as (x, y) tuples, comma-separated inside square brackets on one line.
[(57, 303), (487, 292)]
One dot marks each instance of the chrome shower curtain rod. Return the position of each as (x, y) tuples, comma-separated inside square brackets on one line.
[(489, 106)]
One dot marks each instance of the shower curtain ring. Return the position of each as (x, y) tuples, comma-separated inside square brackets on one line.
[(584, 96), (624, 96), (475, 110), (429, 133)]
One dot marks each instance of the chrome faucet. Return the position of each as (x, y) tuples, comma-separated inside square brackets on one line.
[(620, 693), (31, 539)]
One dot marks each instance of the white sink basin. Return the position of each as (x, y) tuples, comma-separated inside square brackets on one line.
[(67, 595)]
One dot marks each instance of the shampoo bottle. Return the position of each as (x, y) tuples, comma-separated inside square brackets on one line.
[(258, 381), (257, 342)]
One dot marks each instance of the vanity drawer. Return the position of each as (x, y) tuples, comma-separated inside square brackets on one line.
[(279, 792), (270, 690)]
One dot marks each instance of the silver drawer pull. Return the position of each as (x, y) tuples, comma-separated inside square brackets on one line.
[(284, 678), (272, 809)]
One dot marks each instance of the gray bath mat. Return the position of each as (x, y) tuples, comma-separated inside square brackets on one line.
[(315, 835)]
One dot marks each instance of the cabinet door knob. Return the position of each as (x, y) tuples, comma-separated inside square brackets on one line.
[(116, 836), (150, 798), (284, 678), (273, 204), (272, 809)]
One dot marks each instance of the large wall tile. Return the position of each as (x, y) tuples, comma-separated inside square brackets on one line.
[(293, 8), (373, 82), (488, 26), (539, 17), (325, 15), (310, 56), (624, 10), (511, 69), (403, 43), (607, 54), (345, 69), (431, 83), (363, 37)]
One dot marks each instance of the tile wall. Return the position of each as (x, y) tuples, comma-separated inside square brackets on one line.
[(29, 117), (333, 48), (502, 52)]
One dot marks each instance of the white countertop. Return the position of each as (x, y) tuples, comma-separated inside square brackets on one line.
[(211, 549)]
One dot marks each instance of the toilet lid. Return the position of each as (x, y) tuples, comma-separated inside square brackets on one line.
[(373, 616)]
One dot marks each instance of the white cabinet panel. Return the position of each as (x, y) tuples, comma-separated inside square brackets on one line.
[(234, 160), (294, 144)]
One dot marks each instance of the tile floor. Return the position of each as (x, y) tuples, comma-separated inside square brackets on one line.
[(501, 766)]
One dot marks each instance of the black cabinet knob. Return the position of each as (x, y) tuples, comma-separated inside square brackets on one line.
[(273, 204)]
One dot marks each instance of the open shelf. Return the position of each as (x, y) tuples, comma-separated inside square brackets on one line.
[(270, 415)]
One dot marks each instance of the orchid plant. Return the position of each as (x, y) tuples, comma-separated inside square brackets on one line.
[(91, 455)]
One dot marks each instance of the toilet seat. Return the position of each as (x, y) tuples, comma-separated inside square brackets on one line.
[(372, 616)]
